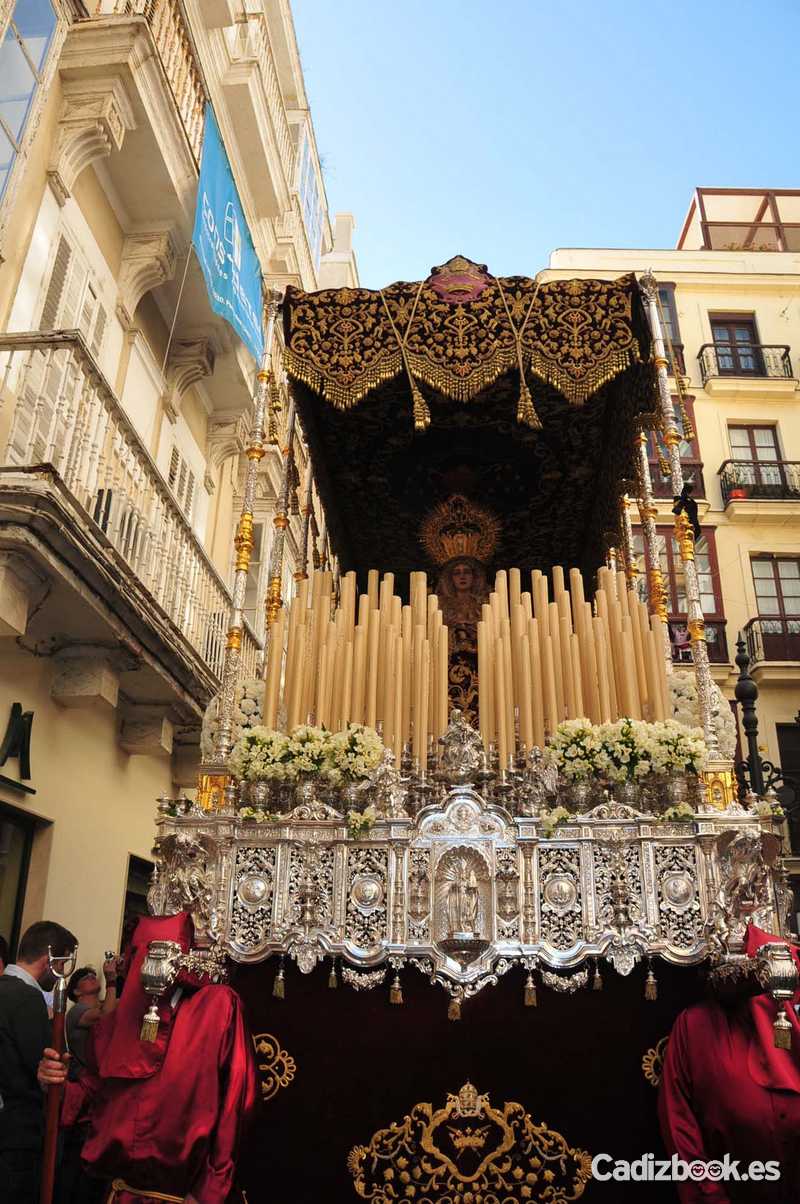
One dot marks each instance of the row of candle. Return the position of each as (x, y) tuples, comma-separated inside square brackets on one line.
[(543, 660), (369, 660)]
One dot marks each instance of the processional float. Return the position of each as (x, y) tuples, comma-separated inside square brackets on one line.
[(445, 779), (469, 760)]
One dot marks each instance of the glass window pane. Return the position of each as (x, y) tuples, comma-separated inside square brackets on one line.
[(766, 588), (788, 569), (764, 436), (768, 606), (743, 334), (762, 568), (17, 83), (36, 22), (739, 436)]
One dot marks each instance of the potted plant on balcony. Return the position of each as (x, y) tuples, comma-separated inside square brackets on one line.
[(737, 492)]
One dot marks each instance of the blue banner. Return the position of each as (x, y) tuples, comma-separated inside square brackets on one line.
[(224, 247)]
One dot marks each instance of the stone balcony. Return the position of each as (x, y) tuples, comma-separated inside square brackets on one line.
[(98, 562)]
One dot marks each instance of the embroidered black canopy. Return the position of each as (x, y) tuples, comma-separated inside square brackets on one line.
[(527, 397)]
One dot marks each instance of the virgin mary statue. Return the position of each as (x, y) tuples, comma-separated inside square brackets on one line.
[(460, 536)]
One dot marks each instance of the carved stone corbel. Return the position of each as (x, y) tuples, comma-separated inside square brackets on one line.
[(95, 116), (227, 437), (148, 259), (189, 361)]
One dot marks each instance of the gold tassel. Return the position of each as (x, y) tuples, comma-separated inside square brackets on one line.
[(150, 1021), (530, 992), (454, 1009), (650, 985), (782, 1030), (526, 414), (396, 990), (333, 981), (422, 415), (597, 981), (279, 985)]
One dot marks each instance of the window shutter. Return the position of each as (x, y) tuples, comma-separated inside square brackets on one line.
[(55, 289), (99, 331), (187, 506), (174, 464)]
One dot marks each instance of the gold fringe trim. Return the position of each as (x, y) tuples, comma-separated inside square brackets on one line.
[(345, 396)]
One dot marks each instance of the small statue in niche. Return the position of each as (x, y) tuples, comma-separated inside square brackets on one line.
[(463, 900)]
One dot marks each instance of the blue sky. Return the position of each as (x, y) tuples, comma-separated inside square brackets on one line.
[(501, 130)]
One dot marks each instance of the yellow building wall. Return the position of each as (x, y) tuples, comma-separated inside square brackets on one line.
[(100, 217), (27, 201), (95, 801)]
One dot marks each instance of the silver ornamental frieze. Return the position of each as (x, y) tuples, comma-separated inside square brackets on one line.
[(462, 890)]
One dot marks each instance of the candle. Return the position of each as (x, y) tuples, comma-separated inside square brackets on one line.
[(555, 635), (423, 710), (397, 725), (577, 682), (514, 587), (373, 578), (359, 671), (373, 639), (526, 701), (499, 702), (550, 700), (537, 683), (272, 685), (567, 676), (602, 670)]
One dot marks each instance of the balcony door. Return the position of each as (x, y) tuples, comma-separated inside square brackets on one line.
[(755, 450), (736, 346), (777, 585)]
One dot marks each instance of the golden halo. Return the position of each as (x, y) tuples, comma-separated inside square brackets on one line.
[(457, 528)]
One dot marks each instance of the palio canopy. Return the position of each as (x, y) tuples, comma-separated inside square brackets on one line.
[(526, 397)]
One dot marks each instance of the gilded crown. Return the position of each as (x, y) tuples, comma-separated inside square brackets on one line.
[(469, 1139), (457, 528)]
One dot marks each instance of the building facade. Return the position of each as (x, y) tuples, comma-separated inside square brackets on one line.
[(124, 411), (730, 305)]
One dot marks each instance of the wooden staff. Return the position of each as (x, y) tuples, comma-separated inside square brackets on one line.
[(55, 1092)]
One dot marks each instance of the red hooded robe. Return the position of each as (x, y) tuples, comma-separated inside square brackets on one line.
[(726, 1089), (167, 1115)]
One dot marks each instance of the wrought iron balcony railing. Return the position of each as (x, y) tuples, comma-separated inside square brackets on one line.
[(173, 42), (744, 359), (773, 639), (767, 479), (682, 647), (66, 415)]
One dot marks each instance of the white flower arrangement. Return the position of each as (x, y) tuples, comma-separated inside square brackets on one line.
[(247, 703), (353, 754), (359, 823), (680, 814), (261, 754), (765, 809), (259, 816), (309, 751), (686, 709), (551, 819), (627, 750)]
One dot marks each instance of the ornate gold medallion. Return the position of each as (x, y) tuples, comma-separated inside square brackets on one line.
[(469, 1151), (276, 1067), (653, 1062)]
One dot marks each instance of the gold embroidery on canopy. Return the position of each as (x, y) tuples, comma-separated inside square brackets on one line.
[(576, 335), (466, 1149), (276, 1067)]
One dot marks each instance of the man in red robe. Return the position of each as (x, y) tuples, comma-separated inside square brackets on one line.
[(165, 1116), (727, 1090)]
